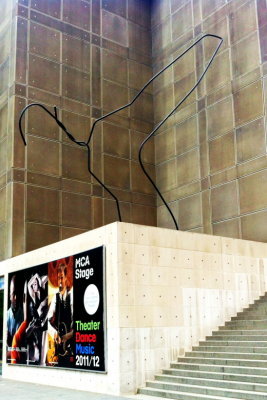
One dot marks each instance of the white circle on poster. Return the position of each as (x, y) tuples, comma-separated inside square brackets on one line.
[(91, 299)]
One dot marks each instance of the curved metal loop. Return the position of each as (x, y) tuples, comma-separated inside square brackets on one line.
[(86, 144), (165, 119), (172, 111), (72, 138)]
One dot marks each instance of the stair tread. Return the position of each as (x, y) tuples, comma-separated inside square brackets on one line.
[(228, 345), (204, 387), (230, 338), (217, 373), (230, 359), (242, 330), (232, 341), (224, 366), (235, 338), (227, 352), (256, 320), (245, 333), (264, 385)]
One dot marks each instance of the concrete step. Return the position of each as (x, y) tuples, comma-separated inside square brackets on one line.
[(241, 332), (246, 324), (225, 361), (261, 299), (258, 303), (228, 355), (257, 307), (204, 390), (250, 316), (229, 369), (189, 380), (159, 394), (216, 375), (237, 336), (253, 307), (250, 311), (238, 343), (251, 348)]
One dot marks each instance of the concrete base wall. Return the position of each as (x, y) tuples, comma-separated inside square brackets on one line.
[(166, 290)]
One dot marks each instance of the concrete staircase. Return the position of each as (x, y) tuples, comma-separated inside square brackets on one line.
[(231, 363)]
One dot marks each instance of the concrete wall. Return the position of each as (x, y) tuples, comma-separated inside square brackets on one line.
[(216, 143), (8, 104), (85, 57), (88, 57), (166, 290)]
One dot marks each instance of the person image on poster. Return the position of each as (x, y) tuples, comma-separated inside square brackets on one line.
[(18, 349), (14, 313), (29, 341), (60, 316), (36, 329), (37, 292)]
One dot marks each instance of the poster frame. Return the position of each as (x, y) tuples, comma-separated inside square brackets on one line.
[(104, 300)]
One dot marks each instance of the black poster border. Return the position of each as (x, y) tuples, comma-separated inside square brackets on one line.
[(104, 294)]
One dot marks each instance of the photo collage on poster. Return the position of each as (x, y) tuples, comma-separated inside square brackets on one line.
[(56, 313)]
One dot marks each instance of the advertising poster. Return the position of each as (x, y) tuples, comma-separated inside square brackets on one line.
[(56, 313)]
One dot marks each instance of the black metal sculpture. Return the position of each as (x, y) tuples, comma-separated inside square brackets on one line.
[(87, 143)]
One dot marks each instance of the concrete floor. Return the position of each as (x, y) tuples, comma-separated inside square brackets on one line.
[(31, 391)]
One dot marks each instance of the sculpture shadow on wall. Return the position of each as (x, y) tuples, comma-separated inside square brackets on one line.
[(152, 133)]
